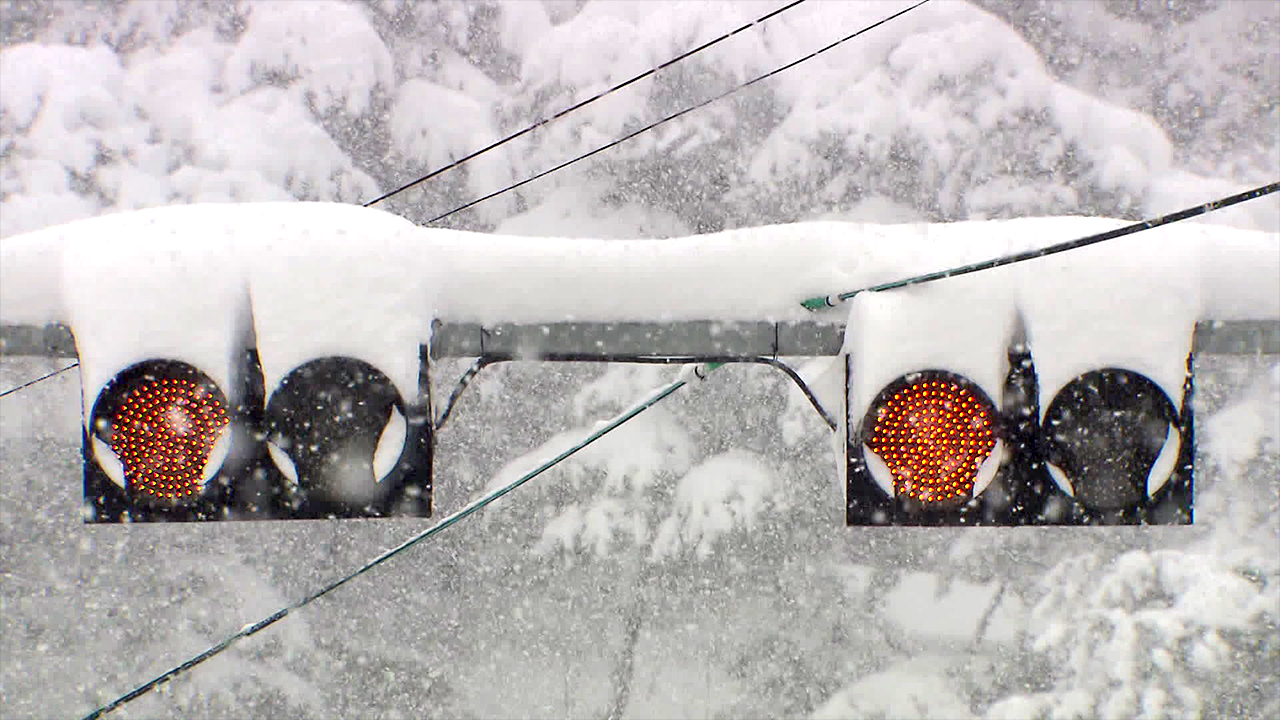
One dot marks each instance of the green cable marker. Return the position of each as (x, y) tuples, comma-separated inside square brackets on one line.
[(817, 303)]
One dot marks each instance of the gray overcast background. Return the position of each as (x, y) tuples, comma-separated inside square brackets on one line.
[(958, 110)]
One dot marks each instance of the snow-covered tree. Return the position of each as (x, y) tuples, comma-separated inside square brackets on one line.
[(1181, 630), (958, 110)]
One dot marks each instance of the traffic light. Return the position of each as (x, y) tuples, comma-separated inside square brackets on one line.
[(165, 443), (924, 452), (933, 449)]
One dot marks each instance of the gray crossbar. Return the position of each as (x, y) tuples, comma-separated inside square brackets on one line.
[(695, 339)]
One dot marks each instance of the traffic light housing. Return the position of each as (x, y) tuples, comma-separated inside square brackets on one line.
[(165, 443), (1111, 448), (1113, 441)]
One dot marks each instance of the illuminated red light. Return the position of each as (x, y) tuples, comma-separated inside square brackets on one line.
[(164, 432), (933, 435)]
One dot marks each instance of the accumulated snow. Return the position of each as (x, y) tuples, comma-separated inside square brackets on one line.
[(171, 292), (1138, 314), (920, 687), (1246, 427), (1130, 303), (920, 605), (323, 298), (342, 71), (324, 279), (962, 326), (727, 491)]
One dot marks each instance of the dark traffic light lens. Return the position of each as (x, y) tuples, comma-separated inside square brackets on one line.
[(932, 432), (1111, 439), (336, 430)]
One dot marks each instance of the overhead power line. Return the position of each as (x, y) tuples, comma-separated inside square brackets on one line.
[(584, 103), (42, 378), (687, 375), (817, 303), (673, 116)]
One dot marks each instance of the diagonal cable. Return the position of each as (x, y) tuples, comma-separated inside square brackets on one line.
[(584, 103), (673, 116), (687, 375), (817, 303), (42, 378)]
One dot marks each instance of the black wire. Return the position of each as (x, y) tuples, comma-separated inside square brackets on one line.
[(42, 378), (584, 103), (472, 507), (668, 118), (465, 380), (816, 303), (487, 360)]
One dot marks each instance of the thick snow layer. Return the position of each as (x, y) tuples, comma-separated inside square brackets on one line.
[(920, 687), (323, 298), (1095, 308), (962, 326), (329, 279), (172, 293)]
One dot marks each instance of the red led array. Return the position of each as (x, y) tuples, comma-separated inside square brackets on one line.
[(933, 435), (164, 433)]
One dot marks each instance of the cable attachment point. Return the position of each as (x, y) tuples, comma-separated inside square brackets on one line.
[(814, 304), (702, 370)]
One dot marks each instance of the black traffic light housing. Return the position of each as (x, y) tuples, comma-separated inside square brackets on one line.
[(129, 415), (140, 440), (333, 427), (1113, 430)]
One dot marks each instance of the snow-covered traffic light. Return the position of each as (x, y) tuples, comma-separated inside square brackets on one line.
[(933, 449)]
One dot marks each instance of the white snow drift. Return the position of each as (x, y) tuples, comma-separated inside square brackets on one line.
[(316, 279)]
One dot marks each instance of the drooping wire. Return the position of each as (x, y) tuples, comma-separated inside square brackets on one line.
[(42, 378), (484, 361), (673, 116), (817, 303), (480, 364), (584, 103), (658, 395)]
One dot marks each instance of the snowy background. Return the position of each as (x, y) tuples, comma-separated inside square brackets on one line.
[(620, 586)]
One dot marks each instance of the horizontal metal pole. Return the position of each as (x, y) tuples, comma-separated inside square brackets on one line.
[(53, 341), (700, 338), (693, 339)]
